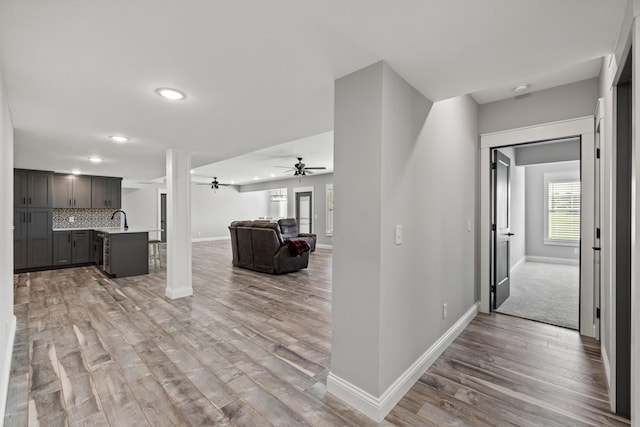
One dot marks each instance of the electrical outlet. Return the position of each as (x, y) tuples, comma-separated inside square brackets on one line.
[(72, 219), (469, 225), (444, 310), (398, 234)]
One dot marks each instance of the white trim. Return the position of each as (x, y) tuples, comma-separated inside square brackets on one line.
[(550, 260), (6, 369), (323, 246), (377, 408), (178, 293), (210, 239), (607, 372), (583, 127), (518, 264), (542, 132)]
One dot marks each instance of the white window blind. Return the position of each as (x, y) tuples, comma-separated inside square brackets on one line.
[(563, 215)]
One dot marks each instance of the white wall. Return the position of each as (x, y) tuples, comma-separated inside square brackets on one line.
[(534, 189), (319, 183), (7, 319), (550, 105), (417, 169), (517, 209)]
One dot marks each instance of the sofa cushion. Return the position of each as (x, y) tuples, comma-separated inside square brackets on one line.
[(288, 228)]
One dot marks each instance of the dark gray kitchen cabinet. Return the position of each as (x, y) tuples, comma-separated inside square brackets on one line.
[(20, 250), (106, 192), (71, 191), (61, 247), (71, 247), (33, 189), (81, 244), (39, 237), (32, 238)]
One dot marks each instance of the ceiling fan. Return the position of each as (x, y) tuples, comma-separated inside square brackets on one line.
[(214, 184), (300, 169)]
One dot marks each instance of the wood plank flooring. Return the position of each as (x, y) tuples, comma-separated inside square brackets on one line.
[(254, 349)]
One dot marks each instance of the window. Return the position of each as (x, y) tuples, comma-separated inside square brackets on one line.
[(562, 209)]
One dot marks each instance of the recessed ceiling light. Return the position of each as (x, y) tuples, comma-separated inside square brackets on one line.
[(95, 159), (172, 94), (233, 182), (76, 172), (272, 175), (118, 138), (191, 171), (521, 89)]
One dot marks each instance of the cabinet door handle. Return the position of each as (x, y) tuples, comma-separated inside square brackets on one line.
[(74, 243), (69, 202), (29, 200), (24, 217), (74, 202), (24, 200)]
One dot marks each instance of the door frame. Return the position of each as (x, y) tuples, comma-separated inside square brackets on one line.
[(583, 127), (297, 190), (161, 191)]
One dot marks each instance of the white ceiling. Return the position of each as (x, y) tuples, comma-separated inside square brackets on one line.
[(258, 73)]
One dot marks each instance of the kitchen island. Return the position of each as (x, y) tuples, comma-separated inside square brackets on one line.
[(125, 250)]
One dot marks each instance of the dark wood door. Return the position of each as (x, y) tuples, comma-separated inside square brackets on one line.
[(80, 251), (62, 191), (501, 235), (20, 258), (163, 217), (114, 193), (304, 212), (61, 247), (40, 189), (99, 192), (20, 188), (81, 192)]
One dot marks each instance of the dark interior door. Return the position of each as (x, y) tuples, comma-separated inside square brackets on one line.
[(304, 212), (163, 217), (501, 235)]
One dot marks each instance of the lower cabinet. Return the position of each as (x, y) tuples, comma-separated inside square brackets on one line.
[(32, 238), (71, 247)]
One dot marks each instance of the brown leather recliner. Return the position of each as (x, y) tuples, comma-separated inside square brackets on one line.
[(289, 230), (259, 246)]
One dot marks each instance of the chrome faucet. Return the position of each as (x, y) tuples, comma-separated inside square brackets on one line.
[(126, 226)]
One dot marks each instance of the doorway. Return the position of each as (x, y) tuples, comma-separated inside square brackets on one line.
[(304, 211), (163, 217), (536, 231)]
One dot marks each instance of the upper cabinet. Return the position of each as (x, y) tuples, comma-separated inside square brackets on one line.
[(32, 189), (106, 192), (71, 191)]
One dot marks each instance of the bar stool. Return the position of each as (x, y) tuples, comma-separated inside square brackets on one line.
[(155, 252)]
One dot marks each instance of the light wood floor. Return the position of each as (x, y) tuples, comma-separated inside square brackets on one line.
[(254, 349)]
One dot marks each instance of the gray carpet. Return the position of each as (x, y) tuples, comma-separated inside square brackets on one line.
[(545, 292)]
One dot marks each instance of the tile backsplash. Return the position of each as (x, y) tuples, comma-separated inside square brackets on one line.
[(85, 218)]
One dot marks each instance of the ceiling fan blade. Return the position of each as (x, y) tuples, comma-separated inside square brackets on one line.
[(287, 167), (315, 167)]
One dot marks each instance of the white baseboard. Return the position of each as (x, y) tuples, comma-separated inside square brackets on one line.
[(6, 369), (178, 293), (377, 408), (607, 372), (322, 246), (518, 264), (210, 239), (550, 260)]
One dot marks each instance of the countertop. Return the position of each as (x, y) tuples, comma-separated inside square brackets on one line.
[(112, 230)]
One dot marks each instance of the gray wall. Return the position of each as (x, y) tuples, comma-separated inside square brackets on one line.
[(534, 177), (517, 208), (211, 213), (318, 182), (559, 103), (417, 168), (6, 245)]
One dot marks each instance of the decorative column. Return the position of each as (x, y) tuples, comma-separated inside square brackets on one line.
[(178, 224)]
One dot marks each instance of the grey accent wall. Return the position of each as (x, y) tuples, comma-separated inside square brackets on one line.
[(517, 208), (417, 169), (319, 183), (548, 153), (7, 319), (534, 178), (549, 105)]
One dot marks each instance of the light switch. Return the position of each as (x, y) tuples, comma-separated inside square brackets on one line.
[(398, 234), (469, 225)]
